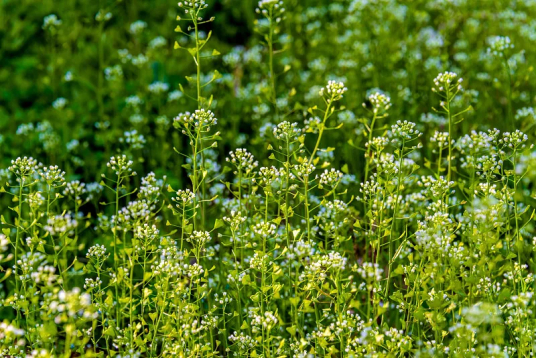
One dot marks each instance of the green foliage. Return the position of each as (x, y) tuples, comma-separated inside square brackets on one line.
[(285, 178)]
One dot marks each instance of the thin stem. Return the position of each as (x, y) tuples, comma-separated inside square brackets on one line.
[(326, 116)]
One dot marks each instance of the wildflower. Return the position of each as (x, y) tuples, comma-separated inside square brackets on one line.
[(235, 220), (330, 178), (133, 139), (137, 27), (303, 170), (114, 73), (441, 138), (268, 176), (333, 91), (121, 165), (201, 118), (184, 197), (515, 140), (271, 9), (193, 4), (199, 238), (96, 251), (380, 103), (102, 16), (52, 176), (242, 160), (449, 83), (59, 103), (174, 95), (403, 131), (61, 224), (499, 44), (286, 131), (23, 167), (157, 42), (150, 187), (51, 22), (158, 87), (75, 189)]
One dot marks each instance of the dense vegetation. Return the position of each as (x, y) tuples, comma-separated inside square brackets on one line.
[(287, 178)]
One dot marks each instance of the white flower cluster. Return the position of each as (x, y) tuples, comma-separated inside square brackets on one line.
[(184, 197), (201, 119), (286, 131), (23, 167), (51, 22), (370, 271), (97, 251), (75, 189), (271, 9), (199, 238), (303, 170), (268, 176), (330, 178), (59, 103), (121, 165), (334, 91), (102, 16), (266, 321), (146, 232), (150, 187), (380, 103), (61, 224), (243, 341), (499, 44), (447, 82), (137, 27), (234, 220), (223, 299), (52, 175), (158, 87), (403, 131), (133, 139), (441, 138), (190, 5), (242, 160), (514, 140), (264, 229)]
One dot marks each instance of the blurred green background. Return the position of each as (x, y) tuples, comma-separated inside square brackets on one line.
[(101, 70)]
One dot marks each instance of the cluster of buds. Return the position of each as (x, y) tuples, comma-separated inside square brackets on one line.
[(53, 176), (184, 197), (333, 91), (192, 8), (23, 167), (242, 160), (499, 44), (201, 120), (271, 9), (121, 165), (51, 22), (380, 103), (447, 84)]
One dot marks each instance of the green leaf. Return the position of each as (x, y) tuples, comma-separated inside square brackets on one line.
[(244, 325), (292, 330), (219, 223), (192, 51), (246, 280)]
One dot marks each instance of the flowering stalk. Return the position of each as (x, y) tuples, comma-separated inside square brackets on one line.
[(331, 93)]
